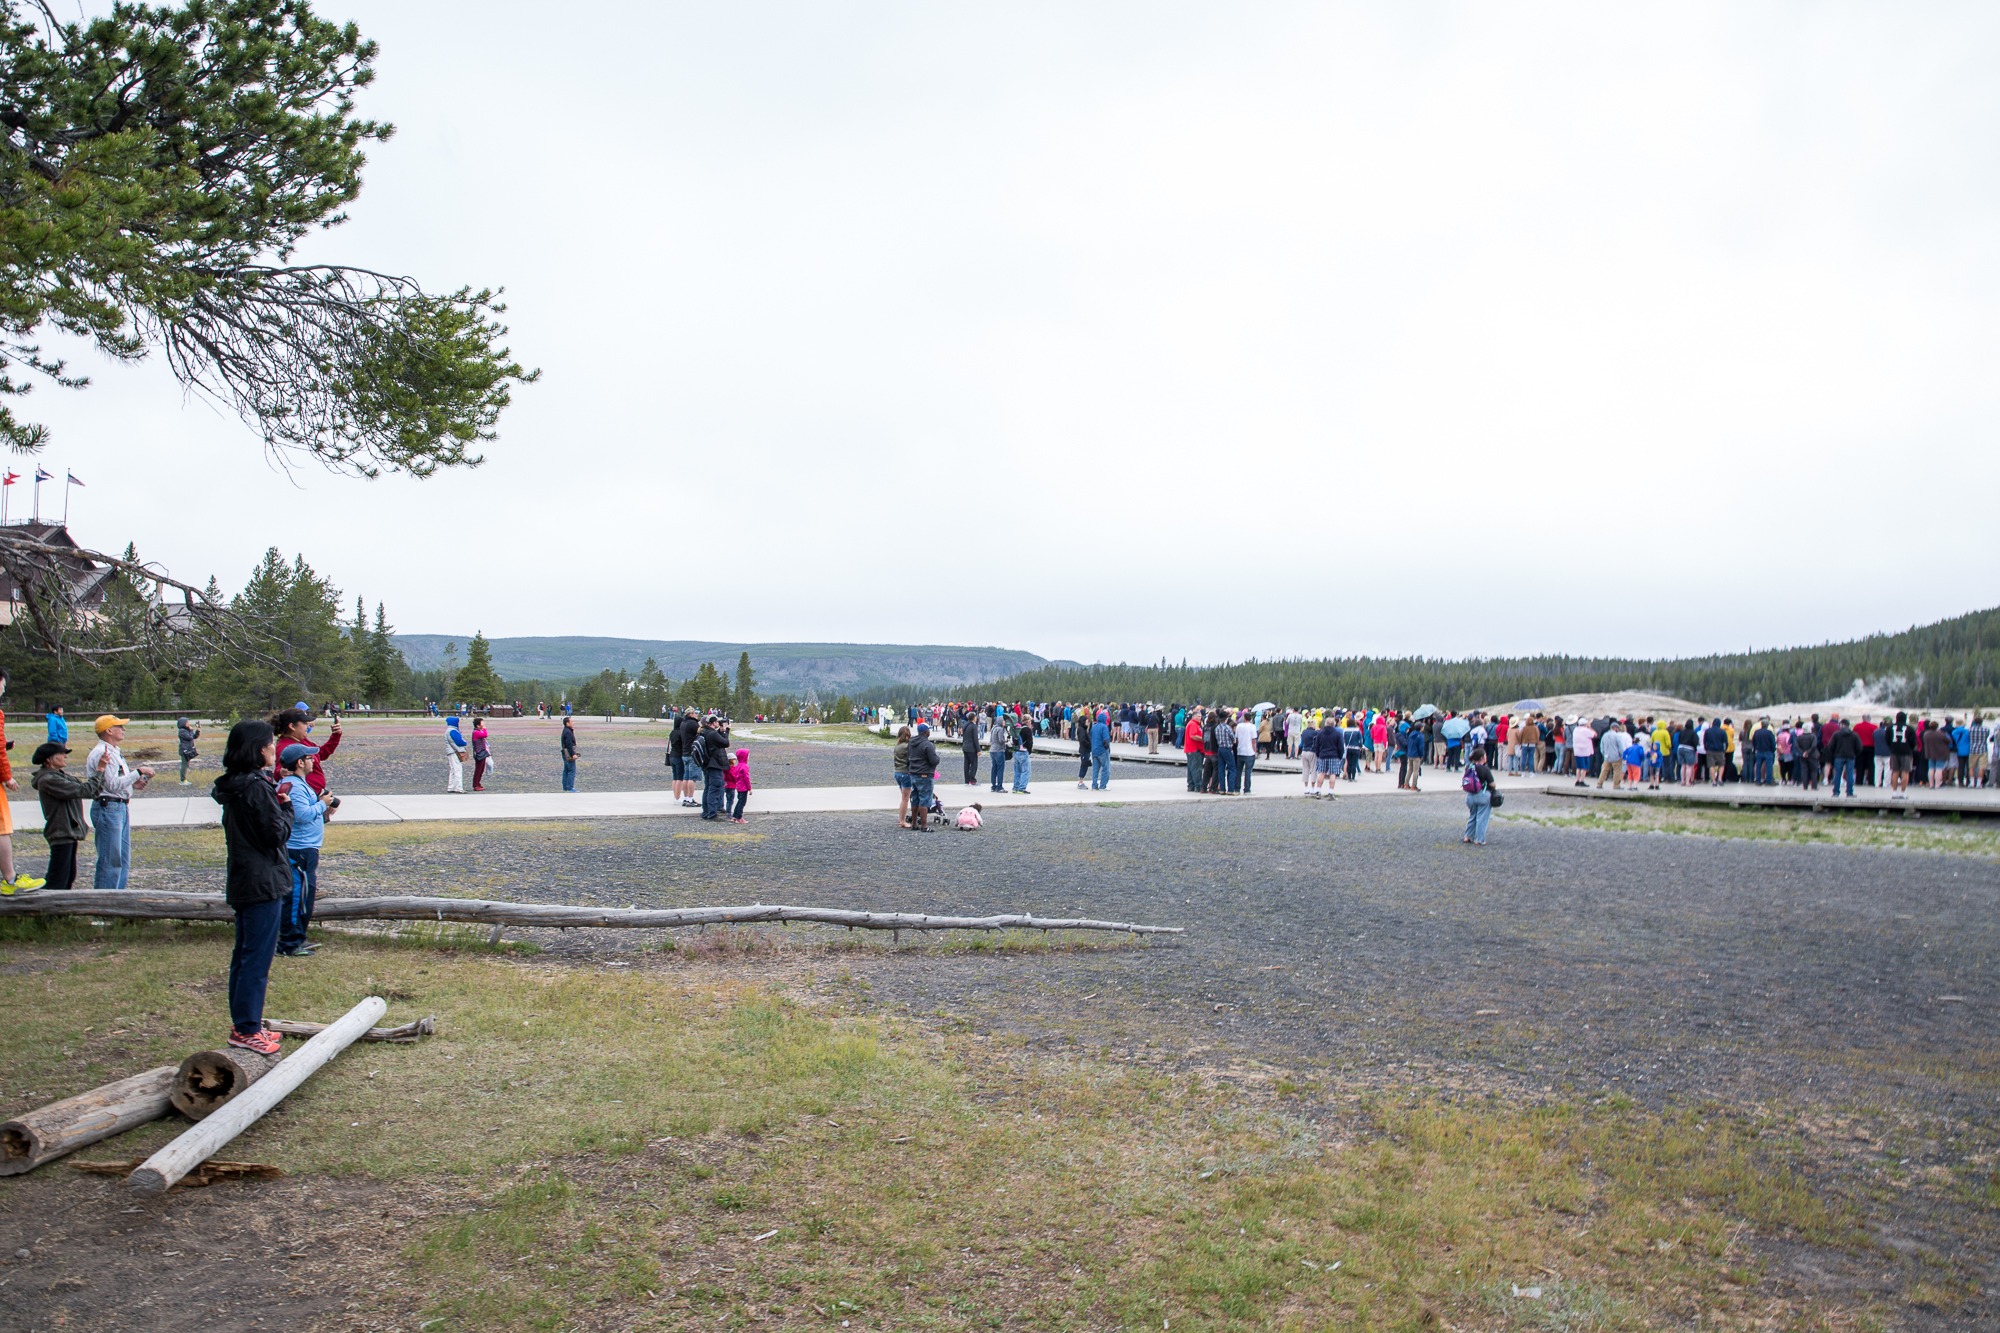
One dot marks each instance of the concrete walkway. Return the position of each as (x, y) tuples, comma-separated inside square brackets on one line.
[(1047, 789)]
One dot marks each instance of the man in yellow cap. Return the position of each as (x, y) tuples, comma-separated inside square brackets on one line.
[(110, 815), (10, 882)]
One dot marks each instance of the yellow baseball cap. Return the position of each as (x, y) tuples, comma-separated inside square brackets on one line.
[(108, 721)]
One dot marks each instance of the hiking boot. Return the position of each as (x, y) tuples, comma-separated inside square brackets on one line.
[(264, 1041)]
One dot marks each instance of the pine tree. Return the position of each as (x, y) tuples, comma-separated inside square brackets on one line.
[(651, 689), (477, 684), (744, 704), (380, 661)]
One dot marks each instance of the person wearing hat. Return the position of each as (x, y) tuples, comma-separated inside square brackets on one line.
[(62, 796), (110, 813), (294, 727), (309, 812), (10, 882)]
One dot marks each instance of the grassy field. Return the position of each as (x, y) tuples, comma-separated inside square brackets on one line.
[(638, 1146), (1857, 828)]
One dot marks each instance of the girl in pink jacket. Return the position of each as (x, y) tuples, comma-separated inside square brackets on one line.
[(737, 780)]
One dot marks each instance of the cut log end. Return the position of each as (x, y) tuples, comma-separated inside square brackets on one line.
[(208, 1080), (19, 1149)]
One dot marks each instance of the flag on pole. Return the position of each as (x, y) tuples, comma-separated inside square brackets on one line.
[(43, 474), (73, 481), (11, 477)]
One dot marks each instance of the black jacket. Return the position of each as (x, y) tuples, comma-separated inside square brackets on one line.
[(1844, 745), (255, 825), (714, 749), (923, 757)]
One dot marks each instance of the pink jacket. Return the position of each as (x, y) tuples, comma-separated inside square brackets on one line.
[(738, 776)]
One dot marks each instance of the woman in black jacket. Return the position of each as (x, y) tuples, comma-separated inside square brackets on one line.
[(255, 826)]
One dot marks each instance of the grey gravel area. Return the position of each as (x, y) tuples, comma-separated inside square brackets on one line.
[(1360, 943), (376, 758)]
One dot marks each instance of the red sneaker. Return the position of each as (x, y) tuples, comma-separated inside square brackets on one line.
[(263, 1041)]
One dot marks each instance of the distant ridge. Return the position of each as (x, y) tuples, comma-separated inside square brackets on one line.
[(782, 668)]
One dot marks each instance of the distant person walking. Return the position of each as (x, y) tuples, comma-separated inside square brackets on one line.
[(1100, 752), (110, 813), (1477, 782), (968, 742), (58, 726), (900, 765), (1024, 759), (454, 757), (568, 754), (186, 733), (482, 753)]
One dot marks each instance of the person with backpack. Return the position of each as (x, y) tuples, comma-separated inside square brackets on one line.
[(454, 758), (712, 753), (1100, 754), (1477, 783), (923, 760)]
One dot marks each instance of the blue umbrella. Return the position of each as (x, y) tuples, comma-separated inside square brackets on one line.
[(1531, 706), (1426, 711), (1455, 727)]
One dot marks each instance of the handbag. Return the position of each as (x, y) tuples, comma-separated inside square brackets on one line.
[(1498, 799)]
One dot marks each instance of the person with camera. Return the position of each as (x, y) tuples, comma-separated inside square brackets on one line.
[(309, 812)]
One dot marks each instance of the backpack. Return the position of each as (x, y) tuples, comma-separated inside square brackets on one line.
[(1470, 783)]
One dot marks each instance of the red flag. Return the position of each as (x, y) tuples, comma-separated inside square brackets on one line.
[(11, 477)]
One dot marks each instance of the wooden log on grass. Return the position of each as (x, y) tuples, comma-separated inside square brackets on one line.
[(207, 1080), (211, 907), (408, 1032), (159, 1172), (62, 1127)]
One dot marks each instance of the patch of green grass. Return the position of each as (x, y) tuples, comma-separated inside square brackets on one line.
[(1847, 828), (645, 1150)]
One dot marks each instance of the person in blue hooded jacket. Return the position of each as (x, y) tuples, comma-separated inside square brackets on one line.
[(1100, 753), (309, 812), (454, 757)]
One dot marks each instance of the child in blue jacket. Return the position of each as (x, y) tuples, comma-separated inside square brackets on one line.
[(309, 813)]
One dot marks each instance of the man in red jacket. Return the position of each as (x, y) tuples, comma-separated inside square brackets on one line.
[(292, 727)]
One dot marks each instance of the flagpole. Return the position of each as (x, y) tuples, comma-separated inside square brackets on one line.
[(66, 486), (38, 494)]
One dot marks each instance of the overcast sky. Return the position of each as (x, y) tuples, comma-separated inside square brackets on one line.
[(1130, 331)]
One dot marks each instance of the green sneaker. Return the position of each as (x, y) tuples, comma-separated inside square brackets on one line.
[(21, 884)]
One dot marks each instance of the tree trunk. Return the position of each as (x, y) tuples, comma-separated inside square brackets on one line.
[(62, 1127), (211, 907), (207, 1079), (169, 1164), (408, 1032)]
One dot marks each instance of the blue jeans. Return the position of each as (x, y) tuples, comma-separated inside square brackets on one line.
[(1226, 761), (711, 793), (1194, 770), (112, 821), (1761, 773), (1843, 768), (1478, 814), (1100, 769), (999, 770), (250, 962), (920, 798), (1023, 763), (299, 904), (569, 773), (1244, 763)]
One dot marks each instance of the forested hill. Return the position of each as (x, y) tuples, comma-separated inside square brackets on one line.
[(782, 668), (1953, 663)]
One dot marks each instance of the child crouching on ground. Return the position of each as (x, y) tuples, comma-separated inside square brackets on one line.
[(63, 796), (736, 786), (968, 818), (309, 814)]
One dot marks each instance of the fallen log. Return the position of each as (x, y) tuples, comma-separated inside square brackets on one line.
[(127, 903), (159, 1172), (422, 1027), (62, 1127), (207, 1080), (208, 1173)]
